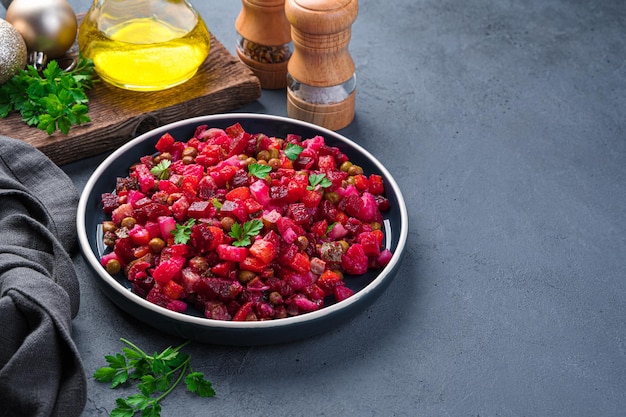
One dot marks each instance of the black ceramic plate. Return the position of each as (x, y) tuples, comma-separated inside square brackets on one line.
[(193, 325)]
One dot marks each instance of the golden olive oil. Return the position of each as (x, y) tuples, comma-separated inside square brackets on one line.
[(145, 53)]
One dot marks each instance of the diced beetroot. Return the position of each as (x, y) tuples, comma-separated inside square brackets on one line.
[(270, 218), (337, 232), (206, 188), (384, 257), (189, 280), (156, 296), (109, 202), (139, 235), (165, 142), (260, 191), (326, 163), (303, 304), (341, 292), (235, 209), (232, 253), (329, 280), (289, 235), (354, 205), (150, 211), (166, 224), (145, 178), (107, 257), (319, 228), (252, 264), (201, 210), (354, 261), (253, 208), (298, 281), (179, 208), (296, 188), (177, 306), (361, 182), (121, 212), (278, 194), (264, 311), (245, 313), (174, 290), (376, 184), (298, 213), (300, 263), (205, 237), (239, 193), (168, 269), (314, 293), (153, 228), (306, 159), (311, 198), (224, 269), (284, 223), (124, 250), (264, 250), (216, 310), (371, 242), (370, 207), (134, 196)]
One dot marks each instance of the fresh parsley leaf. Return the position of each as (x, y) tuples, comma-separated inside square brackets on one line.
[(292, 151), (182, 233), (196, 383), (216, 203), (53, 100), (259, 170), (163, 373), (162, 169), (318, 180), (242, 234)]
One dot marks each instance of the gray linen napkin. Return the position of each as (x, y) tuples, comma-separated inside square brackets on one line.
[(41, 373)]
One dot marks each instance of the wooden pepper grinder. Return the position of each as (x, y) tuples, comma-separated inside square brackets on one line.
[(321, 78), (264, 43)]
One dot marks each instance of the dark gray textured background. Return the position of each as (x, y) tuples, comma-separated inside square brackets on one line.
[(503, 123)]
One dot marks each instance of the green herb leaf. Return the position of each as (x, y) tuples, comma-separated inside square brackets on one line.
[(259, 170), (242, 234), (53, 100), (216, 203), (196, 383), (162, 169), (182, 233), (292, 151), (320, 180), (161, 374), (123, 409)]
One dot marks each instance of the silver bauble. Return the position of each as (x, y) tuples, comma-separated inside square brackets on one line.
[(47, 26), (12, 51)]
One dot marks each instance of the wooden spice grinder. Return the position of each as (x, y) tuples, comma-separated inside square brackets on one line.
[(264, 43), (321, 73)]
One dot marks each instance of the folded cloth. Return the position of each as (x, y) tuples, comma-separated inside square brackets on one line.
[(41, 373)]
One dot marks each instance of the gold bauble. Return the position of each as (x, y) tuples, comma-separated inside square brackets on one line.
[(47, 26), (12, 51)]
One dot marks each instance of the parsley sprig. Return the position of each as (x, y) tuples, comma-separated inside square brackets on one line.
[(318, 180), (293, 150), (53, 100), (182, 232), (159, 374), (259, 170), (243, 234), (162, 169)]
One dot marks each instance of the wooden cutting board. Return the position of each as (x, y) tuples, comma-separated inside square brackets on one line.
[(221, 84)]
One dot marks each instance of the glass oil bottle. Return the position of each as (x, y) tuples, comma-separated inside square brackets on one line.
[(144, 45)]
